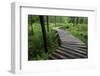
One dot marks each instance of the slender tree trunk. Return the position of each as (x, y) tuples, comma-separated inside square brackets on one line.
[(47, 18), (78, 20), (60, 20), (74, 20), (32, 25), (43, 32), (84, 20), (55, 21)]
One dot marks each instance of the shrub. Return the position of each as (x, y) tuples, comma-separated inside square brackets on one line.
[(36, 43)]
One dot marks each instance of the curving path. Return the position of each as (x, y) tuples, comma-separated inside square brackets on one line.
[(71, 47)]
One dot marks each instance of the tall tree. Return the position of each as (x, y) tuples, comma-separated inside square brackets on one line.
[(55, 21), (30, 22), (77, 18), (43, 32), (47, 18)]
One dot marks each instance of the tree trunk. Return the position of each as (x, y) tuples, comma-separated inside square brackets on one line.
[(55, 21), (43, 32), (32, 26), (47, 23)]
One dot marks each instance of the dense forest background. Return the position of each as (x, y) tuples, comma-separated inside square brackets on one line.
[(41, 26)]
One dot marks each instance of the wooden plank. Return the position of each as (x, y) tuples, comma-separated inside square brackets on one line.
[(59, 55), (71, 47), (76, 48), (52, 57), (66, 54), (72, 51)]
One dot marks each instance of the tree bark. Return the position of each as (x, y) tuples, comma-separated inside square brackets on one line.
[(55, 21), (43, 32), (47, 18)]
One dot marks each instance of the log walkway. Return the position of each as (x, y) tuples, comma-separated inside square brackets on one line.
[(71, 47)]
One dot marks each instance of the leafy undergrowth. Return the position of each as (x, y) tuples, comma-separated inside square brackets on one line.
[(36, 44)]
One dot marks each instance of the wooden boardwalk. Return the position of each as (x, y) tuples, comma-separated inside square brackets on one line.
[(71, 47)]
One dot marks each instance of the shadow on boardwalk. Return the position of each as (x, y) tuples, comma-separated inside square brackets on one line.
[(71, 47)]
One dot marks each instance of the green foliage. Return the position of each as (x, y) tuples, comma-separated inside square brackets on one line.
[(52, 41), (35, 43), (76, 25)]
